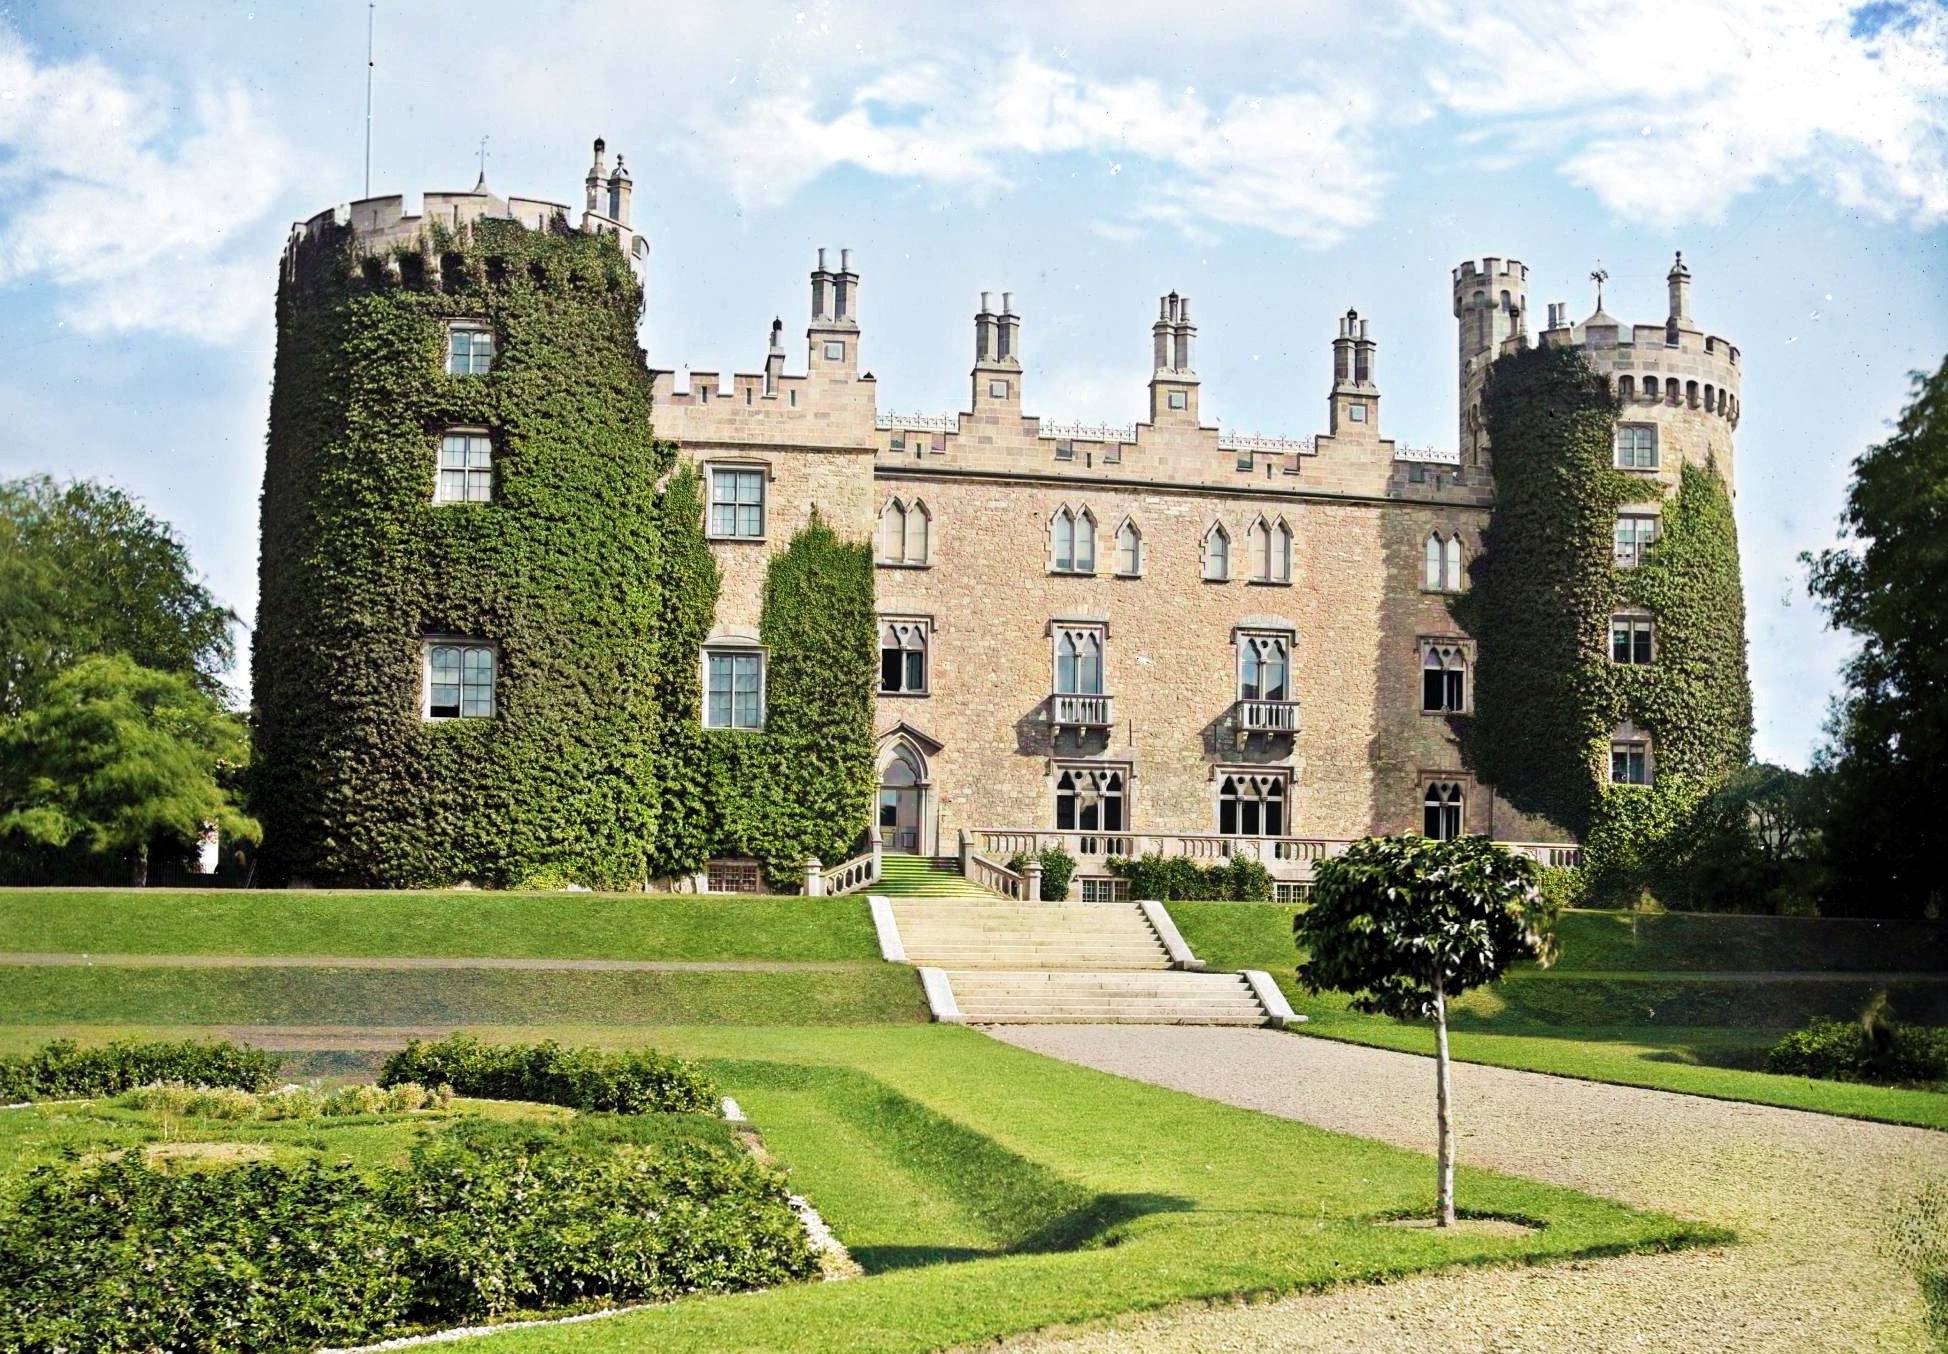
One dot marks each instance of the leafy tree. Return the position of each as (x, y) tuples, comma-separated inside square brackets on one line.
[(1407, 924), (118, 755), (1886, 763), (1751, 845), (85, 569)]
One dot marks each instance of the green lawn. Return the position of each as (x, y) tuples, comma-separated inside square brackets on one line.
[(987, 1191), (1661, 1029), (512, 925), (105, 995)]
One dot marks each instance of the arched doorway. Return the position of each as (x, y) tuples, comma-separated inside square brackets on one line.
[(903, 825)]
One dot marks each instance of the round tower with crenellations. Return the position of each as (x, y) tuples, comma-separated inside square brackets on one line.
[(453, 667), (1677, 387), (1490, 308)]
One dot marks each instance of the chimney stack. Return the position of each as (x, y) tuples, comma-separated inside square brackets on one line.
[(1365, 353), (1679, 279), (1186, 333), (619, 191), (774, 358), (1008, 349), (595, 173), (1342, 350), (821, 290), (984, 333)]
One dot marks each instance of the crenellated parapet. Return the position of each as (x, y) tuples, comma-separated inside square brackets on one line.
[(378, 232)]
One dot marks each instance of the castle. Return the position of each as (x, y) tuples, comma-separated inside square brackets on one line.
[(1157, 637)]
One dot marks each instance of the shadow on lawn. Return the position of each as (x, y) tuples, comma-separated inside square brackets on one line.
[(1079, 1229)]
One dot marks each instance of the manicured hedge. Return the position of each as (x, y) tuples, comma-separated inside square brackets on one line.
[(64, 1070), (1168, 878), (485, 1220), (1850, 1050), (639, 1081)]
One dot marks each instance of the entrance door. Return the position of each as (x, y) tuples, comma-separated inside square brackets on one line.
[(899, 805)]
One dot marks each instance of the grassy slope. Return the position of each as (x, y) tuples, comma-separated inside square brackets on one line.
[(867, 993), (1661, 1031), (513, 925), (930, 1143)]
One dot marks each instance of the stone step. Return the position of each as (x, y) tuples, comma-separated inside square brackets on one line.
[(1254, 1018), (1162, 981)]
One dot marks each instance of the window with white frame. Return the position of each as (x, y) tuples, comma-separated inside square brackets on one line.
[(733, 688), (1631, 638), (1629, 759), (1271, 551), (1103, 889), (1636, 446), (469, 350), (903, 657), (1078, 660), (1634, 534), (1129, 549), (1440, 811), (737, 502), (1217, 554), (466, 473), (1091, 798), (459, 680), (1441, 563), (1283, 892), (1443, 677), (1252, 803), (905, 532), (1264, 666), (1072, 542)]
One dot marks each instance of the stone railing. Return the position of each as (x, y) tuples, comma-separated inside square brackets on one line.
[(858, 873), (986, 873), (933, 423), (1286, 446), (1081, 712), (1088, 432), (1553, 855), (1268, 716), (1427, 455), (1289, 859)]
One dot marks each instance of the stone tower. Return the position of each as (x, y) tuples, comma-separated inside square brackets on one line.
[(460, 479), (1490, 307)]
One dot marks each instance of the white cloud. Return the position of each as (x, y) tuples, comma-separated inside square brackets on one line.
[(1296, 163), (1669, 109), (135, 211)]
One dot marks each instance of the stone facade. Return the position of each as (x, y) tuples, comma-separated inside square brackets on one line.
[(1344, 546), (977, 582)]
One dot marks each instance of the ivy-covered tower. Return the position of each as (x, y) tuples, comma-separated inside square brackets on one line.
[(1607, 606), (454, 653)]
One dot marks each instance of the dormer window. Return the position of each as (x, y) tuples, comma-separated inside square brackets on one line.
[(469, 350)]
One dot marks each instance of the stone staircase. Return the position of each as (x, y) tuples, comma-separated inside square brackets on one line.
[(993, 961), (916, 876)]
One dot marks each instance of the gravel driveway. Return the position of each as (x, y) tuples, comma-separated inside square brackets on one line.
[(1829, 1210)]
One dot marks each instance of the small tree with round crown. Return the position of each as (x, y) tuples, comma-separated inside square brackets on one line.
[(1407, 924)]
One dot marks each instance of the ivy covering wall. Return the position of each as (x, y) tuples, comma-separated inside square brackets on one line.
[(688, 590), (359, 565), (1547, 696)]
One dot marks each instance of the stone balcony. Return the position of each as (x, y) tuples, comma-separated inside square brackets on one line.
[(1081, 711), (1272, 717)]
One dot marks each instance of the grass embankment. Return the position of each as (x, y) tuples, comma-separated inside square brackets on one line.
[(646, 926), (1063, 1195), (843, 980), (1673, 1025)]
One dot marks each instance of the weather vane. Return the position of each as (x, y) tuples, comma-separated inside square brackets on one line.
[(1599, 277)]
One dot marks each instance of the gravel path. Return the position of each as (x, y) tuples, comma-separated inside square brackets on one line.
[(410, 961), (1828, 1210)]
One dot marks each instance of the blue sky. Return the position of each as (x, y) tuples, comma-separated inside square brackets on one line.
[(1278, 164)]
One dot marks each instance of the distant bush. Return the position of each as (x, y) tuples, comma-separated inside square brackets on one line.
[(286, 1102), (1058, 868), (64, 1070), (1179, 878), (1875, 1049), (484, 1220), (639, 1081)]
